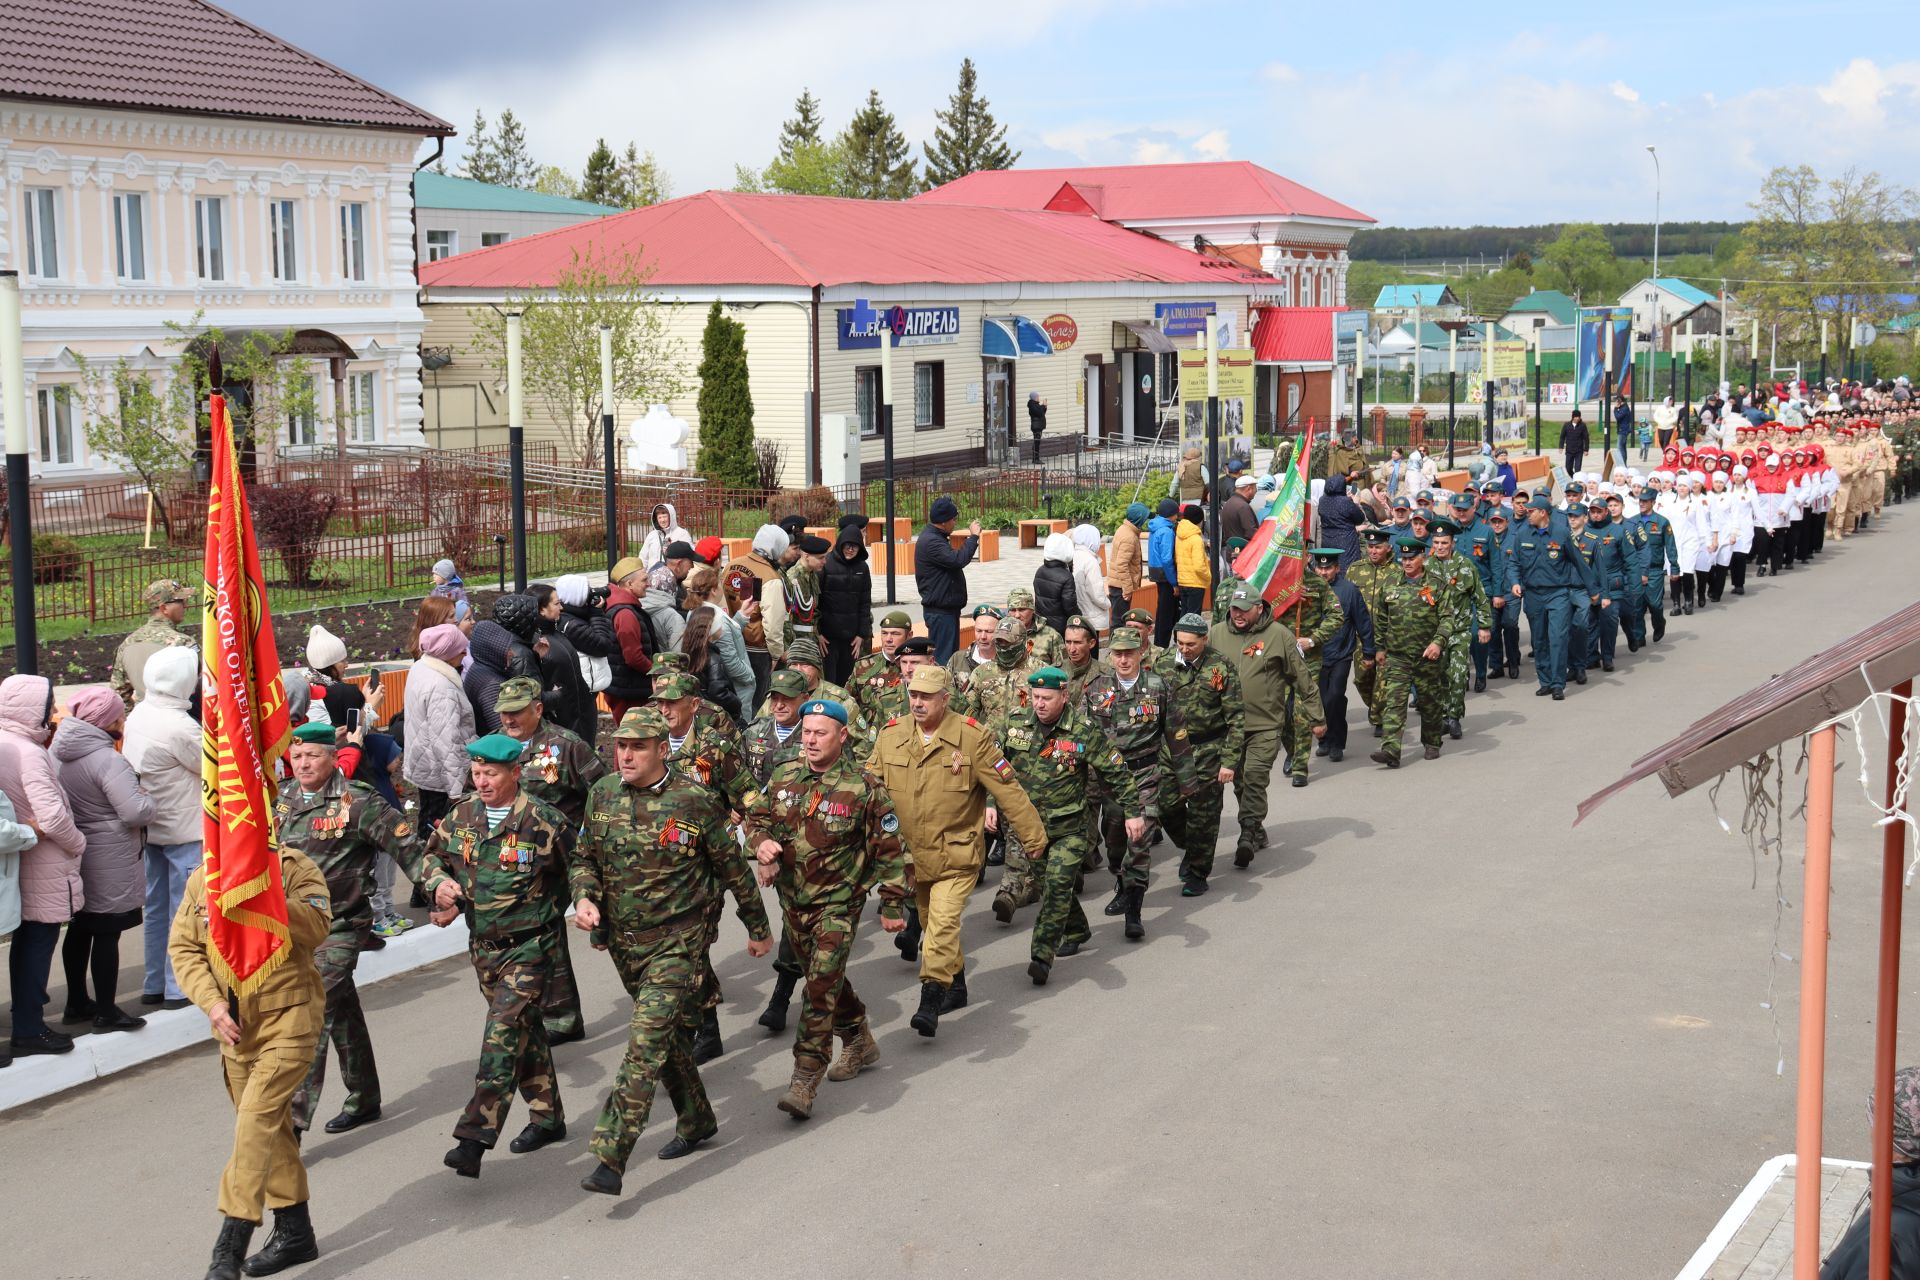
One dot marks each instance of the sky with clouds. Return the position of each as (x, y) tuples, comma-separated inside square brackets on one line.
[(1419, 114)]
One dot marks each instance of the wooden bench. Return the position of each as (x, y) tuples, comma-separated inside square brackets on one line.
[(989, 543), (1034, 532)]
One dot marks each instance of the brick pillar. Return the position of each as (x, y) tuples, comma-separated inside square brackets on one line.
[(1379, 415), (1417, 426)]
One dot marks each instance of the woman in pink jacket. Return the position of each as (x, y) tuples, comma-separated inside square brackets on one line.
[(50, 890)]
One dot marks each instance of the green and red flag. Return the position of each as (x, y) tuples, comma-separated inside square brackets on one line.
[(244, 731), (1274, 563)]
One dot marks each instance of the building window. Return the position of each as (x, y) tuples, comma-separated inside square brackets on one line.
[(130, 235), (362, 424), (441, 244), (488, 239), (59, 446), (1169, 380), (282, 234), (353, 241), (866, 398), (302, 428), (43, 233), (930, 394), (210, 237)]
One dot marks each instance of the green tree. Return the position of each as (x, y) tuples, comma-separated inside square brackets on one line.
[(1579, 261), (1491, 294), (966, 137), (878, 164), (600, 181), (481, 162), (560, 342), (555, 181), (746, 178), (803, 130), (726, 404), (141, 423), (515, 167), (643, 181)]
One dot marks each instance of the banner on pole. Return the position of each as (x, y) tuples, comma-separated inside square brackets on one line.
[(1275, 562), (1235, 368), (1601, 329)]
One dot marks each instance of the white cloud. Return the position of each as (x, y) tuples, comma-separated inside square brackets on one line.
[(1623, 91), (1861, 89), (1279, 73), (1213, 145)]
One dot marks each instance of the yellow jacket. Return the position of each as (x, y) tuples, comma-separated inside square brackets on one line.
[(290, 1007), (940, 790), (1190, 555)]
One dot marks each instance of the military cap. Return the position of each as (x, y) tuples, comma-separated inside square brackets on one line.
[(803, 650), (1405, 546), (1540, 502), (1191, 623), (919, 645), (495, 748), (670, 661), (1423, 496), (1497, 513), (517, 694), (825, 707), (1649, 495), (1597, 504), (640, 724), (1020, 598), (1377, 534), (317, 733), (1138, 615), (1440, 524), (681, 684), (1079, 620), (986, 611), (624, 568), (1323, 553), (1576, 509), (898, 620), (1574, 486), (1463, 502), (167, 591), (1494, 487), (931, 679), (1244, 597), (1125, 638), (679, 550), (789, 684), (1400, 503), (813, 544), (1235, 544), (1047, 678), (1012, 631)]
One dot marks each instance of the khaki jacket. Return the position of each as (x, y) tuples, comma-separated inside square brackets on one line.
[(940, 790), (290, 1007), (1125, 559)]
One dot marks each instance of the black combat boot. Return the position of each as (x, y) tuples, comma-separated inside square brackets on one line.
[(1119, 903), (464, 1159), (605, 1179), (926, 1020), (956, 993), (230, 1249), (706, 1041), (1135, 930), (291, 1243), (775, 1018), (907, 941)]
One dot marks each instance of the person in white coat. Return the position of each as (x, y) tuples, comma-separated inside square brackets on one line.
[(1720, 515), (1689, 536), (1745, 518), (1089, 579), (665, 530), (1709, 544), (162, 743)]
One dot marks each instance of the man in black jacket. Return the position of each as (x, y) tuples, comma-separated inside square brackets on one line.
[(1236, 513), (1573, 439), (940, 573), (846, 599), (1336, 659)]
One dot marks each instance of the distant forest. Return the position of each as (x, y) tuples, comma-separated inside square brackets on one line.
[(1628, 239)]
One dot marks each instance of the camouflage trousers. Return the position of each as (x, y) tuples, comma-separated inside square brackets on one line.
[(1018, 878), (560, 1006), (345, 1031), (1061, 919), (1193, 823), (1424, 680), (1129, 860), (661, 970), (1366, 682), (513, 1050), (823, 941), (708, 995), (1253, 777), (1298, 730), (1459, 671)]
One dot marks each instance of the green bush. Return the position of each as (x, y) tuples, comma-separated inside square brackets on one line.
[(56, 558)]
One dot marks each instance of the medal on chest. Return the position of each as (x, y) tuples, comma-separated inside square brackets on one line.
[(467, 842), (512, 855)]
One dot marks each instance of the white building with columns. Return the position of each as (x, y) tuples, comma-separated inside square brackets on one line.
[(162, 160)]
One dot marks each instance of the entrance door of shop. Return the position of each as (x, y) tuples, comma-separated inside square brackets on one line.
[(1110, 400), (1146, 414), (1000, 443)]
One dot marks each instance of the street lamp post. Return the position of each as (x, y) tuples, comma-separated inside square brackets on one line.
[(26, 650), (1653, 353), (517, 449)]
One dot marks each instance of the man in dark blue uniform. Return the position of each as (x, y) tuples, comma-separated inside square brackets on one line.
[(1545, 572), (1336, 657)]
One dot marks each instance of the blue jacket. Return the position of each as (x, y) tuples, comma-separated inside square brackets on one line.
[(1356, 625), (1546, 559), (1650, 542), (1478, 543), (1611, 562), (1160, 545)]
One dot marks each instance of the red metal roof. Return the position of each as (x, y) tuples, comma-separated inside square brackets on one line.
[(1293, 335), (728, 238), (183, 55), (1142, 192)]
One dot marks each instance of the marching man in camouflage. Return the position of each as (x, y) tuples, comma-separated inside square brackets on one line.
[(1274, 680), (804, 656), (1048, 645), (1373, 575), (556, 767), (876, 680), (938, 768), (964, 663), (653, 858), (342, 826), (1129, 704), (1412, 626), (995, 693), (1057, 752), (1313, 622), (1209, 736), (770, 742), (826, 835), (1472, 615), (1082, 661), (169, 601), (494, 852)]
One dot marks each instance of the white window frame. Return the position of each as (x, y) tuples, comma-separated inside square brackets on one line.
[(130, 236), (363, 407), (446, 247), (866, 400), (303, 429), (283, 241), (43, 220), (210, 238), (353, 241), (58, 400), (488, 239)]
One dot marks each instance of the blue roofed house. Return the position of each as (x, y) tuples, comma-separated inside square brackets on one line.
[(453, 215), (1539, 309), (1438, 343), (1397, 303), (1658, 302)]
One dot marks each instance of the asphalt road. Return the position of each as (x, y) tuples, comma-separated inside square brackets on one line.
[(1435, 1031)]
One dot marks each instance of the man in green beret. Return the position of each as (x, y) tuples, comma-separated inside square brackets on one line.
[(1209, 738), (963, 663), (1046, 643), (557, 767), (995, 693), (1373, 573), (1058, 755), (1275, 683), (494, 854), (876, 675), (1129, 704), (826, 834), (343, 826), (1411, 628), (654, 856), (770, 742)]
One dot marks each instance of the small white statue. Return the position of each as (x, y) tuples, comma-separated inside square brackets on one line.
[(657, 441)]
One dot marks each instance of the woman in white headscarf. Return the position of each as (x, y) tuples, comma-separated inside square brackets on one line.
[(1089, 579), (1720, 515), (1745, 517), (1689, 536), (1709, 543), (1666, 423)]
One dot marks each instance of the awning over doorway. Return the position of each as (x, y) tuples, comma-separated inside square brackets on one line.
[(1149, 337), (1013, 338)]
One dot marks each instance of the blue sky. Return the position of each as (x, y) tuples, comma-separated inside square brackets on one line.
[(1419, 114)]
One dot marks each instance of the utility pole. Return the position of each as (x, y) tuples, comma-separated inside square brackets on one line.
[(517, 449), (26, 646), (607, 479)]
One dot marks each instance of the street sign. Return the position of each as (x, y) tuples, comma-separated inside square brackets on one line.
[(1349, 329), (1864, 334)]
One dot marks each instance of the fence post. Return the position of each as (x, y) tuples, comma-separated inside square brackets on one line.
[(387, 548), (93, 609)]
